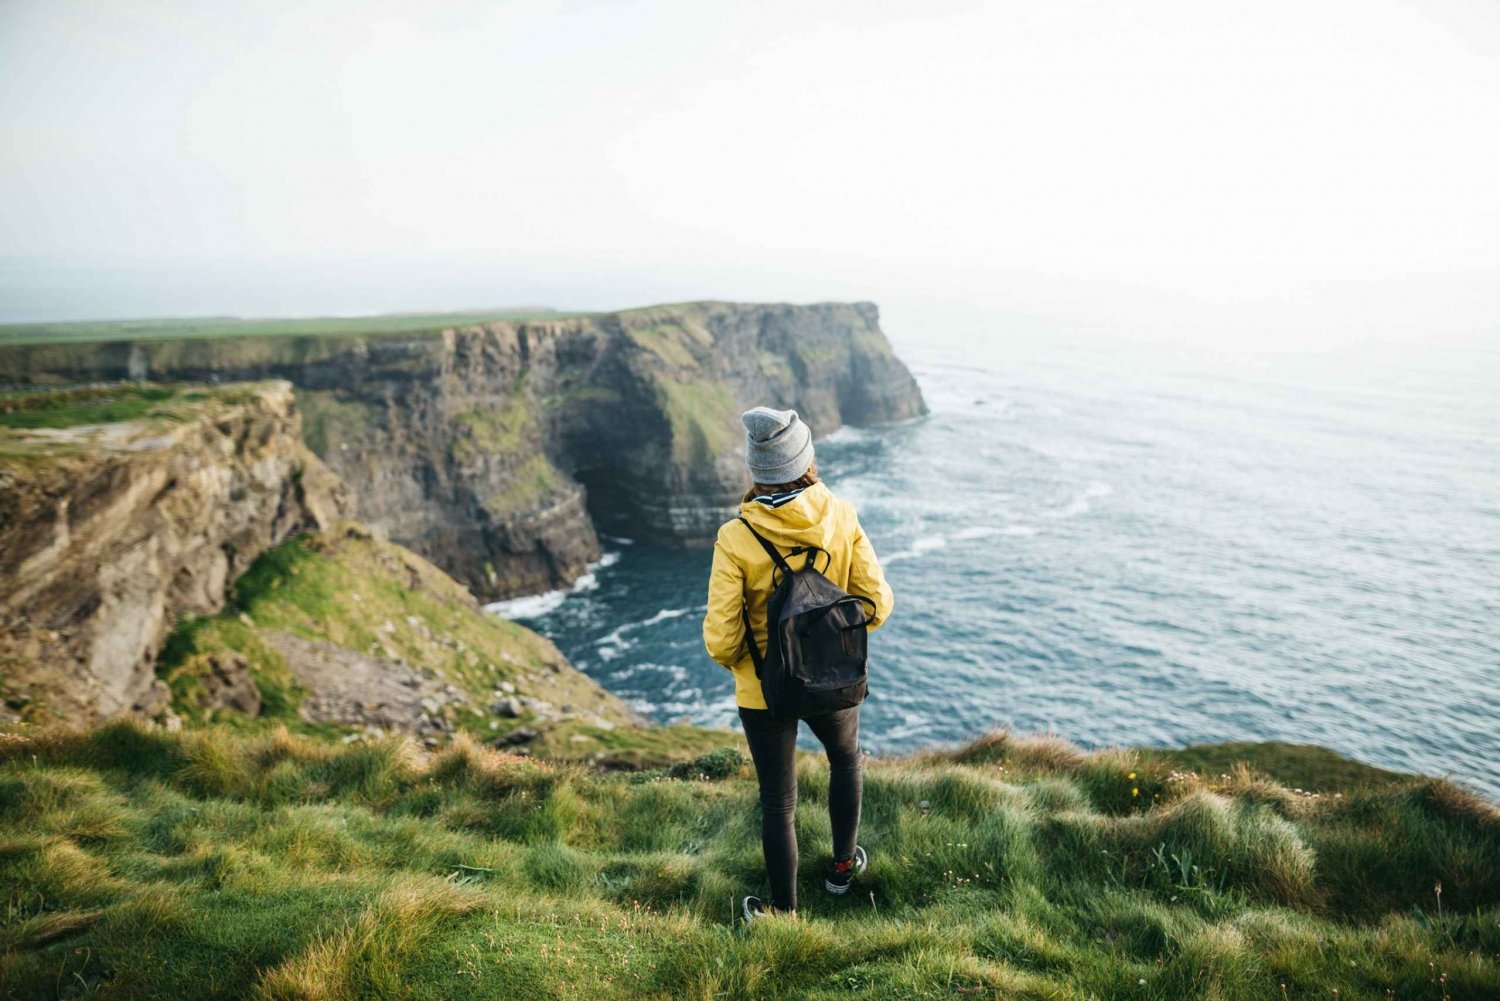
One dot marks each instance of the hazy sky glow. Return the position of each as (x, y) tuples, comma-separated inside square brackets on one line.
[(1270, 166)]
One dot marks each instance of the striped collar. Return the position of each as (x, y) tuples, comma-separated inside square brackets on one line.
[(776, 500)]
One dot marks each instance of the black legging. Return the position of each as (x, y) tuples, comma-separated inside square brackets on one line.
[(773, 746)]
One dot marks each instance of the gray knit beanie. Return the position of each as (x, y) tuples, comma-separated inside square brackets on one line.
[(778, 446)]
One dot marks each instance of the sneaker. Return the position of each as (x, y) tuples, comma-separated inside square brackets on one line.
[(842, 873), (754, 909)]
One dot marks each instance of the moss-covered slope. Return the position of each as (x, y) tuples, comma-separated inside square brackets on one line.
[(356, 633)]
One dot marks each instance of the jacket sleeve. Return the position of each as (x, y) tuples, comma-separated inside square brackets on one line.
[(723, 629), (867, 579)]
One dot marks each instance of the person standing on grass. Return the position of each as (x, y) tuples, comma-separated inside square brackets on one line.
[(789, 507)]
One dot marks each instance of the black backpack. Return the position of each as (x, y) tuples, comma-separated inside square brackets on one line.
[(816, 634)]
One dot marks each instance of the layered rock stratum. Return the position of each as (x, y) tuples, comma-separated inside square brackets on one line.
[(498, 450), (112, 532)]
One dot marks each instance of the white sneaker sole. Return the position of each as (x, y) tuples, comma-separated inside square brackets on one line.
[(861, 860)]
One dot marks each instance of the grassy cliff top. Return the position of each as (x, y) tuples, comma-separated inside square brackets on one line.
[(210, 327), (94, 405), (89, 331), (48, 426), (211, 863)]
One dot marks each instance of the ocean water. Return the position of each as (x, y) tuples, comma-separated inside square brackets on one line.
[(1132, 545)]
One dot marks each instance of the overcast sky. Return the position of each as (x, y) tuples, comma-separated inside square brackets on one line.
[(1265, 168)]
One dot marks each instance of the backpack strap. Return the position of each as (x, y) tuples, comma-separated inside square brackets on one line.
[(771, 550), (755, 657), (781, 564), (780, 561)]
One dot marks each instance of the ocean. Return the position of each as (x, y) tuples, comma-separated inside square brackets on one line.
[(1146, 546)]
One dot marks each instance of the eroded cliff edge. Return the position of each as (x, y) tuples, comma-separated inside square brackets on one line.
[(496, 449), (111, 532)]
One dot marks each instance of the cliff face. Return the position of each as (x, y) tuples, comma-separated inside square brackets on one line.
[(494, 449), (110, 532)]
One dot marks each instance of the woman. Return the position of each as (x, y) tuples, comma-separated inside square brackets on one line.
[(790, 507)]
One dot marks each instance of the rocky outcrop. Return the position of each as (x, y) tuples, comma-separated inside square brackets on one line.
[(495, 449), (110, 533), (341, 627)]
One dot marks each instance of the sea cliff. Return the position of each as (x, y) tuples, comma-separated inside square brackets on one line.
[(178, 554), (499, 449), (112, 530)]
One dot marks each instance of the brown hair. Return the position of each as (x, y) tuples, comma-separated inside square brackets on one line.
[(807, 479)]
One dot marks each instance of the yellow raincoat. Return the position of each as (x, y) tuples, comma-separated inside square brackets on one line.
[(742, 573)]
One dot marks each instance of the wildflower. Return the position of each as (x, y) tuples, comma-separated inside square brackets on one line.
[(1142, 981), (1131, 775), (1135, 791)]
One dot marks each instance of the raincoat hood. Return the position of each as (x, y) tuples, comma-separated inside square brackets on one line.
[(805, 520)]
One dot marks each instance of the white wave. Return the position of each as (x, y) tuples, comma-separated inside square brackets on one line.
[(614, 643), (911, 724), (1080, 504), (609, 651), (534, 606), (529, 607), (846, 433), (675, 674), (925, 544), (617, 540), (969, 534), (665, 614), (607, 560)]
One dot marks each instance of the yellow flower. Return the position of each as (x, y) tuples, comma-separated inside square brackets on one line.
[(1135, 792), (1131, 775)]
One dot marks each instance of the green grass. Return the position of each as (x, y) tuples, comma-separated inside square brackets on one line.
[(486, 431), (216, 864), (331, 418), (352, 590), (107, 404), (632, 748), (194, 328), (679, 341), (1297, 766), (702, 416), (531, 483)]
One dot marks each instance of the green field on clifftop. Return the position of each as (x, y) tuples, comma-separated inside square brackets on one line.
[(194, 328), (92, 405), (218, 864), (89, 331)]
